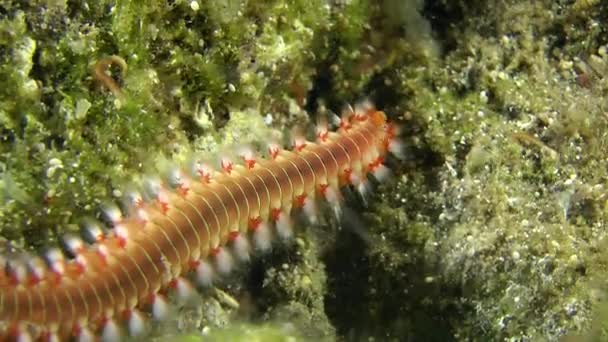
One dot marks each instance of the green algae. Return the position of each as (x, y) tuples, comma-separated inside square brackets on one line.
[(493, 226)]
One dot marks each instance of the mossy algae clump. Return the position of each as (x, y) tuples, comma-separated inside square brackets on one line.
[(492, 227)]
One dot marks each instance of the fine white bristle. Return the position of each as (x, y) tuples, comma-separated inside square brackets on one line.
[(183, 290), (322, 130), (241, 248), (55, 260), (204, 273), (227, 165), (81, 261), (174, 176), (50, 336), (203, 171), (335, 120), (37, 269), (364, 189), (395, 146), (333, 198), (248, 156), (363, 107), (273, 150), (73, 244), (142, 215), (381, 173), (223, 261), (298, 140), (152, 187), (122, 232), (110, 332), (160, 307), (331, 195), (91, 232), (309, 207), (283, 226), (23, 336), (84, 334), (102, 251), (133, 198), (354, 178), (136, 323), (262, 237), (17, 270), (112, 213), (347, 110)]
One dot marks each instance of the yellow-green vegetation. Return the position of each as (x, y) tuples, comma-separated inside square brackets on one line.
[(492, 228), (68, 144), (243, 333), (495, 226)]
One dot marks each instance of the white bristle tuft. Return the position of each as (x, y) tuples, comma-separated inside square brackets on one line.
[(133, 198), (364, 189), (248, 156), (331, 195), (160, 307), (81, 261), (23, 336), (363, 107), (55, 260), (204, 273), (37, 269), (48, 336), (102, 251), (395, 146), (273, 150), (335, 120), (136, 323), (309, 207), (227, 165), (91, 232), (298, 140), (262, 237), (142, 215), (381, 172), (112, 213), (347, 111), (283, 226), (17, 271), (152, 187), (223, 261), (354, 179), (122, 233), (73, 245), (175, 177), (333, 198), (203, 171), (183, 290), (84, 334), (110, 332), (322, 130), (241, 248)]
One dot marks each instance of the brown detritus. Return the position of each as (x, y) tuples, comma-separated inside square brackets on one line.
[(584, 80), (528, 140), (101, 74)]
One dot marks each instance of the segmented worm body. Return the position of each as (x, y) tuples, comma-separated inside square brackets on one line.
[(190, 228)]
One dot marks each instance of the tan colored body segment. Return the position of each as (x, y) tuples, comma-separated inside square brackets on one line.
[(194, 225)]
